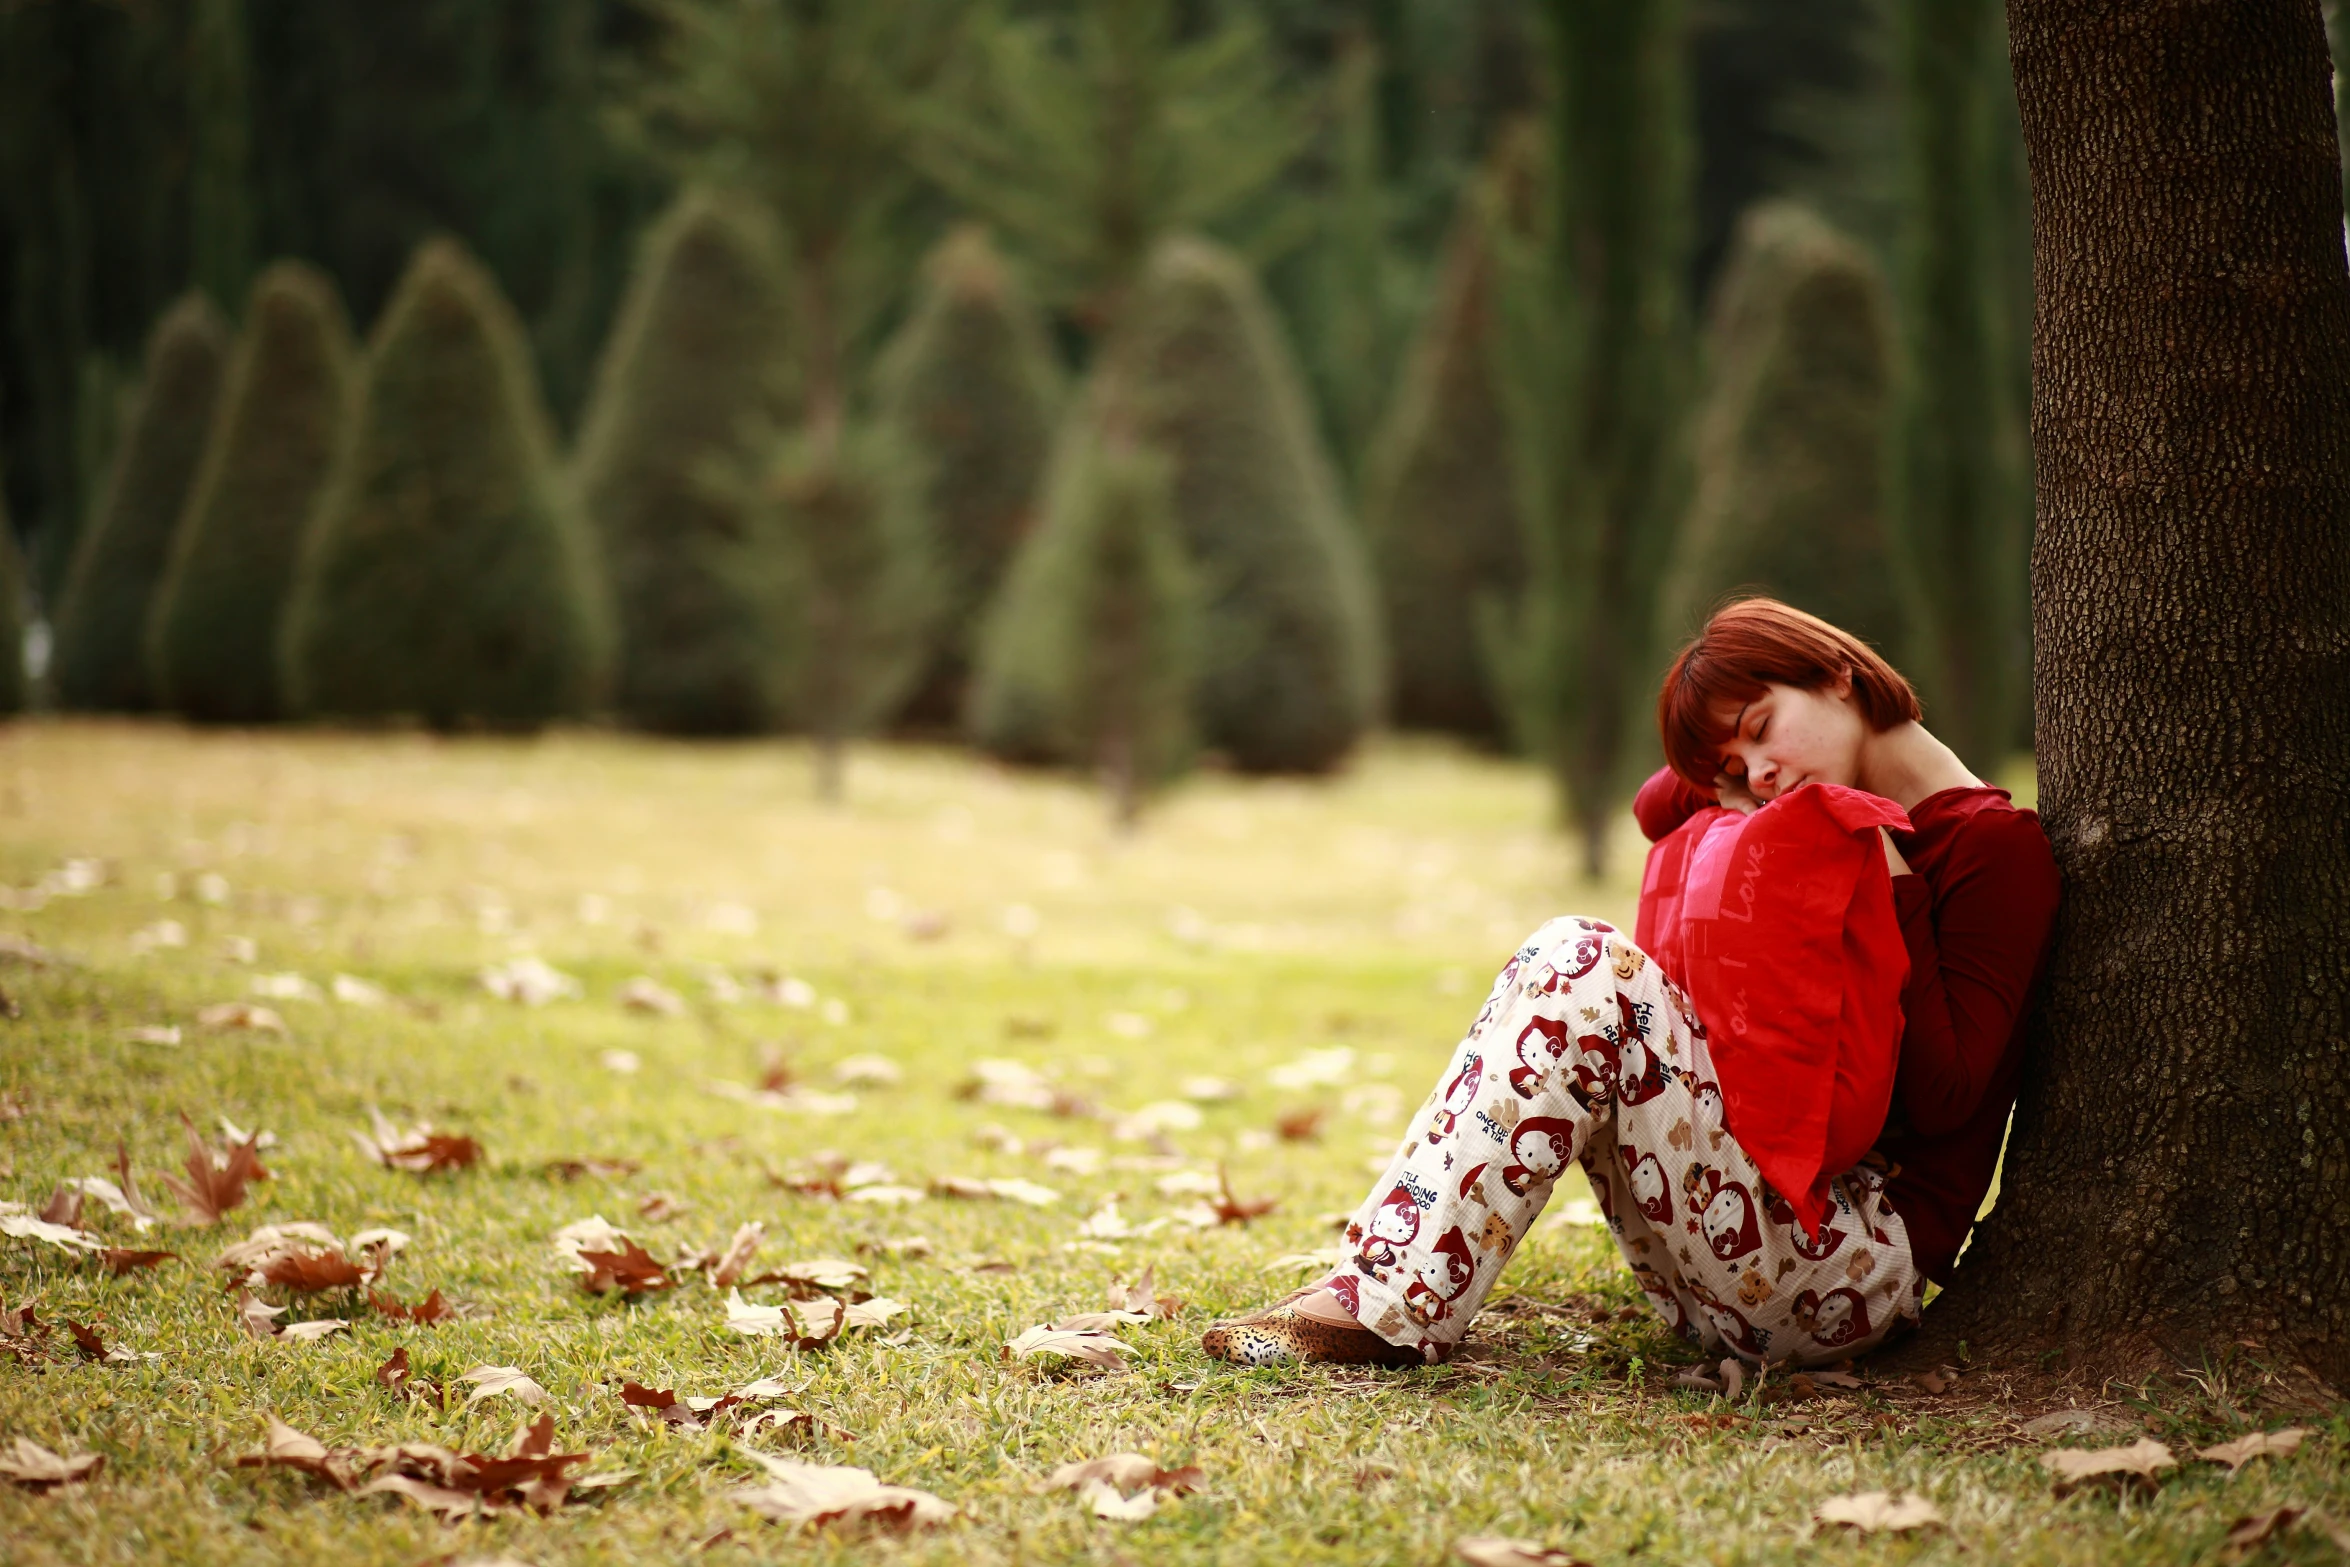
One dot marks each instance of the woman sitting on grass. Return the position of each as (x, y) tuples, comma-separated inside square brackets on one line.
[(1587, 1053)]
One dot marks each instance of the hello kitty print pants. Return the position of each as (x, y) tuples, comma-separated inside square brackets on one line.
[(1585, 1053)]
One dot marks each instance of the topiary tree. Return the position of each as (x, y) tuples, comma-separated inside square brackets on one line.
[(1290, 664), (212, 636), (99, 661), (1441, 500), (849, 501), (1090, 651), (1791, 443), (690, 386), (971, 385), (448, 577), (12, 615)]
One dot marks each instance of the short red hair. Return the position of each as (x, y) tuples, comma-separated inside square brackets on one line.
[(1758, 642)]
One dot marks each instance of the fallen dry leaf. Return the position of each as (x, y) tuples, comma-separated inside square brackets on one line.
[(1936, 1382), (528, 982), (2142, 1459), (121, 1260), (809, 1325), (648, 995), (496, 1381), (241, 1015), (314, 1272), (727, 1271), (1124, 1486), (661, 1207), (630, 1270), (830, 1493), (216, 1179), (287, 1448), (30, 1464), (1231, 1210), (2260, 1444), (428, 1312), (255, 1319), (1142, 1296), (419, 1150), (63, 1207), (311, 1332), (1019, 1191), (26, 1226), (602, 1169), (1875, 1512), (1096, 1349), (529, 1474), (1302, 1126), (1493, 1550)]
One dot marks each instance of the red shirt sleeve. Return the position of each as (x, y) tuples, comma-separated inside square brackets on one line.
[(1974, 946), (1666, 801)]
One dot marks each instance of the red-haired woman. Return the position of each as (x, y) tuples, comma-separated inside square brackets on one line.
[(1586, 1053)]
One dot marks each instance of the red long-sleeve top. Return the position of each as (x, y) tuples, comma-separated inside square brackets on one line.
[(1975, 917)]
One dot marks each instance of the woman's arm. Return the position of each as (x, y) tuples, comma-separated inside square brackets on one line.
[(1974, 946)]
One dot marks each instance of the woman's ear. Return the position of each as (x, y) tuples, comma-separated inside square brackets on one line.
[(1841, 687)]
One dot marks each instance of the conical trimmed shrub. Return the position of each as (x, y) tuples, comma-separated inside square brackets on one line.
[(689, 386), (850, 506), (1791, 442), (1289, 673), (212, 649), (12, 616), (1441, 500), (1089, 653), (99, 661), (971, 385), (448, 577)]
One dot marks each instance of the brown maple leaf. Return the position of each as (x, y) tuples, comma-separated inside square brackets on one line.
[(63, 1207), (128, 1184), (663, 1404), (602, 1169), (630, 1271), (122, 1260), (1231, 1210), (216, 1180), (86, 1339), (314, 1272), (419, 1150), (1302, 1126), (427, 1312), (394, 1374)]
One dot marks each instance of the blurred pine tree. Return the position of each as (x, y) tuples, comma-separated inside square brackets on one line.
[(691, 388), (1966, 502), (1793, 495), (971, 385), (1442, 501), (449, 577), (1086, 137), (100, 658), (850, 502), (1291, 663), (13, 591), (1091, 650), (213, 631)]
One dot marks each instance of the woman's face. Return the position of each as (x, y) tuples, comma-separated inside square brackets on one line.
[(1788, 737)]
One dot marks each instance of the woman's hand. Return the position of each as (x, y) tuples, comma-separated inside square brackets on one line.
[(1733, 795)]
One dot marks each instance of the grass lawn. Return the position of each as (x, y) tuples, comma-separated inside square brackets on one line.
[(950, 914)]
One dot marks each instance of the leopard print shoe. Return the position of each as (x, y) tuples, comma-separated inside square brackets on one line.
[(1278, 1336)]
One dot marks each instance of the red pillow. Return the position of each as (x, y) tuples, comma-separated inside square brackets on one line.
[(1780, 926)]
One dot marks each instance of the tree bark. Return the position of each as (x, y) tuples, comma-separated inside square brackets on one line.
[(2178, 1172)]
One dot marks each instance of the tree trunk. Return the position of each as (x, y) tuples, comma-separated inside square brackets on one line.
[(2178, 1175)]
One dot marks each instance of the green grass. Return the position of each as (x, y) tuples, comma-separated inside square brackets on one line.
[(1248, 924)]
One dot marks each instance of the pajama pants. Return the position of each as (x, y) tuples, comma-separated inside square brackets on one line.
[(1585, 1053)]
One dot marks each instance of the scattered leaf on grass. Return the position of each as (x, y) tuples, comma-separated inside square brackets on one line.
[(428, 1312), (1493, 1550), (1142, 1296), (728, 1270), (1012, 1190), (2260, 1444), (824, 1273), (63, 1207), (529, 982), (2142, 1459), (1124, 1486), (630, 1270), (2247, 1535), (492, 1381), (311, 1332), (1873, 1512), (661, 1207), (1094, 1348), (30, 1464), (1232, 1210), (241, 1015), (256, 1319), (1302, 1126), (420, 1149), (648, 995), (1936, 1382), (313, 1272), (216, 1179), (25, 1226), (602, 1169), (830, 1493), (121, 1260), (529, 1474)]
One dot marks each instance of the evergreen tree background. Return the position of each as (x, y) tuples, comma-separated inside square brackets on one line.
[(13, 592), (693, 382), (1330, 145), (449, 577), (1443, 504), (1091, 651), (100, 662), (1795, 498), (971, 383), (213, 630), (1290, 669)]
